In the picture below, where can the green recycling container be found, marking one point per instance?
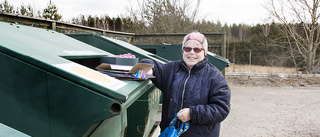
(174, 52)
(167, 51)
(49, 87)
(142, 113)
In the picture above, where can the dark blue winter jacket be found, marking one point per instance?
(203, 89)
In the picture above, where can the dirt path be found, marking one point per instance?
(261, 111)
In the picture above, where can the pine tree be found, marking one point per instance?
(26, 10)
(51, 12)
(6, 7)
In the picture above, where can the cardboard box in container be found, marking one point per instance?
(124, 71)
(119, 61)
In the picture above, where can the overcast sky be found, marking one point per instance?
(249, 12)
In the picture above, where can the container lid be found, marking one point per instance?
(51, 51)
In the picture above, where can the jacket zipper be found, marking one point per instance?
(184, 89)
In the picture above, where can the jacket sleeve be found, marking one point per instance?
(159, 71)
(218, 106)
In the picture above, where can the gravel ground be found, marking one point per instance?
(273, 107)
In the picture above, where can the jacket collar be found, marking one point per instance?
(197, 66)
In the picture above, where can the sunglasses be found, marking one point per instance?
(196, 50)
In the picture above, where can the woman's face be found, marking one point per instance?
(191, 58)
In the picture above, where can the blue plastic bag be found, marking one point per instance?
(170, 131)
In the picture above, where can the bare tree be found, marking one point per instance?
(299, 20)
(104, 22)
(166, 16)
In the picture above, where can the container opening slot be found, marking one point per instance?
(88, 62)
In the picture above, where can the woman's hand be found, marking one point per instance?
(184, 115)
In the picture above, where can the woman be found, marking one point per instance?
(193, 88)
